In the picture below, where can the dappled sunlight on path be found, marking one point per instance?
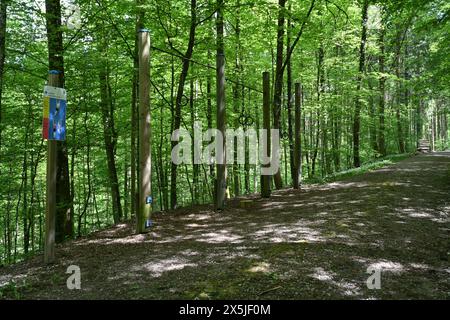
(312, 243)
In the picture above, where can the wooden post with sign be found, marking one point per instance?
(145, 164)
(266, 179)
(50, 212)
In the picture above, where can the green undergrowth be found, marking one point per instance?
(366, 167)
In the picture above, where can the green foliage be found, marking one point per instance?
(368, 166)
(13, 290)
(105, 36)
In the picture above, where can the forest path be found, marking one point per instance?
(316, 243)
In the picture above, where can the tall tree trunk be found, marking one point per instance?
(278, 90)
(406, 95)
(292, 155)
(321, 116)
(180, 92)
(209, 110)
(372, 116)
(398, 100)
(236, 102)
(3, 8)
(195, 167)
(64, 204)
(419, 121)
(34, 171)
(106, 105)
(7, 214)
(247, 152)
(88, 166)
(316, 141)
(382, 94)
(336, 142)
(297, 153)
(25, 217)
(164, 187)
(125, 189)
(221, 181)
(134, 127)
(73, 154)
(266, 179)
(358, 102)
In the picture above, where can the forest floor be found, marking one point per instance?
(316, 243)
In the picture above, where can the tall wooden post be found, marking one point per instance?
(221, 184)
(50, 212)
(265, 179)
(297, 129)
(145, 164)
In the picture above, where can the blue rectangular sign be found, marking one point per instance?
(57, 119)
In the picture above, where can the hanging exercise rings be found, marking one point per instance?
(283, 134)
(245, 120)
(184, 100)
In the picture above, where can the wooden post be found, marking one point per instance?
(265, 179)
(145, 175)
(221, 184)
(297, 150)
(50, 212)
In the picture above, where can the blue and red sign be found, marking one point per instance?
(54, 120)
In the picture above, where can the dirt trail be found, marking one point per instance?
(316, 243)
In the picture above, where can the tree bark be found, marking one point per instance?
(107, 109)
(88, 166)
(180, 92)
(221, 168)
(292, 154)
(236, 102)
(278, 90)
(382, 98)
(358, 102)
(209, 109)
(134, 127)
(3, 17)
(372, 115)
(398, 102)
(266, 179)
(195, 167)
(297, 148)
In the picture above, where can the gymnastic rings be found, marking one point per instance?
(283, 134)
(184, 100)
(245, 120)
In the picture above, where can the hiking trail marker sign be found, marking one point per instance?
(54, 120)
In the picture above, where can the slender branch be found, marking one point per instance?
(81, 28)
(130, 50)
(207, 17)
(291, 49)
(166, 31)
(339, 8)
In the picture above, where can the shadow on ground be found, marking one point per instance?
(316, 243)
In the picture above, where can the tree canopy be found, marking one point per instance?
(373, 75)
